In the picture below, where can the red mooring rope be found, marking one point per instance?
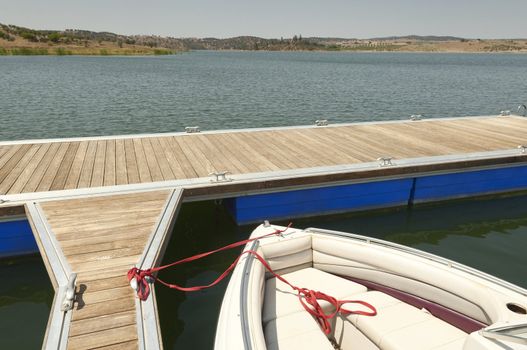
(308, 298)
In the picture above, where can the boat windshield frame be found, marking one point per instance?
(506, 333)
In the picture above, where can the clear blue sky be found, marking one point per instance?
(274, 18)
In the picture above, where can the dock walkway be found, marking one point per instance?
(55, 165)
(101, 205)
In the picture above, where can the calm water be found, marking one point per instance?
(490, 235)
(44, 97)
(26, 295)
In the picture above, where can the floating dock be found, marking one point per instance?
(97, 206)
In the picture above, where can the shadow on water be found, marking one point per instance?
(26, 295)
(490, 235)
(188, 320)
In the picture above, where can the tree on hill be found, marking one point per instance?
(54, 37)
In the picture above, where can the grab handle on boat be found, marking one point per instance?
(69, 298)
(524, 107)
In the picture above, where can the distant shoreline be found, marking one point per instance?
(22, 41)
(37, 51)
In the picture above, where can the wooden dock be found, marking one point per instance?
(101, 205)
(55, 165)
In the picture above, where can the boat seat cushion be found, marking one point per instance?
(281, 300)
(295, 331)
(400, 326)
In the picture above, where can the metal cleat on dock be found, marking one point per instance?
(321, 122)
(385, 161)
(69, 298)
(505, 113)
(220, 176)
(415, 117)
(522, 148)
(192, 129)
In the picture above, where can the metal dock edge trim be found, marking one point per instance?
(148, 329)
(56, 336)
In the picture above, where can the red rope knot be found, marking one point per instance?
(140, 281)
(309, 300)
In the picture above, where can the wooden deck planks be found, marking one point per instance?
(19, 170)
(87, 166)
(59, 182)
(72, 180)
(109, 164)
(132, 170)
(97, 178)
(177, 161)
(93, 163)
(151, 160)
(142, 164)
(121, 175)
(101, 238)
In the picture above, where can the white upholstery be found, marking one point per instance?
(399, 326)
(281, 300)
(349, 337)
(289, 253)
(295, 331)
(421, 277)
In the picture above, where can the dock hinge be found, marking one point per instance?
(385, 161)
(69, 298)
(321, 122)
(220, 176)
(192, 129)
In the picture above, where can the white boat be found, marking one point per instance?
(421, 301)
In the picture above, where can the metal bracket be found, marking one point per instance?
(524, 107)
(414, 117)
(321, 122)
(192, 129)
(266, 223)
(522, 148)
(220, 176)
(385, 161)
(505, 113)
(69, 298)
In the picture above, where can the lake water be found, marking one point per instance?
(43, 97)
